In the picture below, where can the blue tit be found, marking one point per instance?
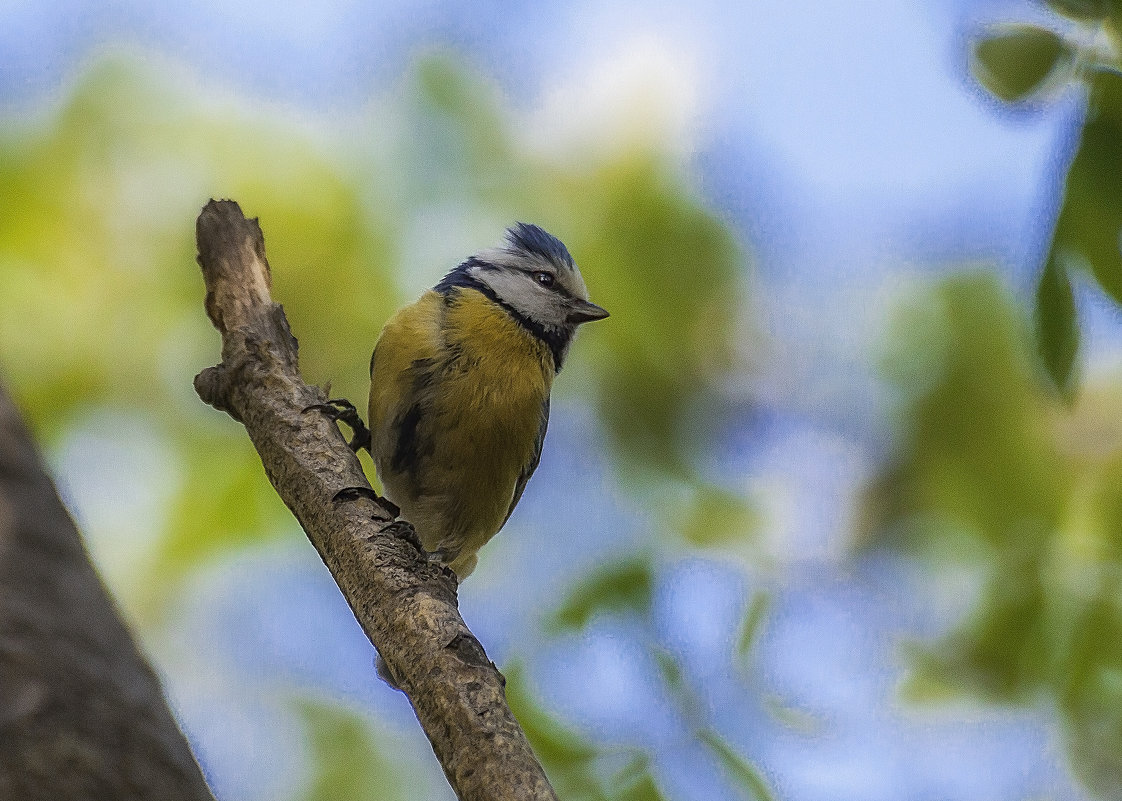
(459, 389)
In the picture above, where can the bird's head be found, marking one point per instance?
(534, 278)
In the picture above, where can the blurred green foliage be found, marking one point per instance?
(642, 788)
(1085, 10)
(582, 771)
(717, 517)
(101, 306)
(569, 759)
(1016, 61)
(626, 585)
(753, 623)
(1001, 481)
(995, 471)
(348, 762)
(743, 773)
(100, 302)
(1019, 61)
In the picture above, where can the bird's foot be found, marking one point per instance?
(445, 557)
(405, 531)
(342, 410)
(349, 494)
(442, 556)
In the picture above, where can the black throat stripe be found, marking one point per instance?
(557, 340)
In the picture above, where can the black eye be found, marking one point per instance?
(545, 279)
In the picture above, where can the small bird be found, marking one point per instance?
(459, 389)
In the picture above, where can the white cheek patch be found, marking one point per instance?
(521, 293)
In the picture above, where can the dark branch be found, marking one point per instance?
(405, 604)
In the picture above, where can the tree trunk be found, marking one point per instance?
(82, 715)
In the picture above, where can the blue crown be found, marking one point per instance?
(533, 240)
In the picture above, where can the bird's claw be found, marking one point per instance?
(444, 557)
(440, 556)
(405, 531)
(348, 494)
(342, 410)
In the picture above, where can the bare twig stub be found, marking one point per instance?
(405, 604)
(81, 713)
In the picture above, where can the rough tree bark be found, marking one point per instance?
(81, 713)
(405, 604)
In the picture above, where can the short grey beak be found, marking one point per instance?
(585, 312)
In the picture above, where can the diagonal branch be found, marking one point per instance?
(406, 605)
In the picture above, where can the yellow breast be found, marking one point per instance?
(504, 367)
(478, 381)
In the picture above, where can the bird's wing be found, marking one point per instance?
(406, 349)
(528, 470)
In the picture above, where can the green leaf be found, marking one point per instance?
(754, 617)
(644, 789)
(347, 764)
(556, 746)
(1057, 324)
(719, 517)
(796, 719)
(1080, 9)
(568, 759)
(1091, 216)
(746, 775)
(633, 771)
(670, 669)
(679, 341)
(1091, 694)
(1014, 61)
(622, 586)
(978, 468)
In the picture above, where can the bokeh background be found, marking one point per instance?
(830, 507)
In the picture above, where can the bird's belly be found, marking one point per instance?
(481, 431)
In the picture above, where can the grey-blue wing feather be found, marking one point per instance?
(528, 470)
